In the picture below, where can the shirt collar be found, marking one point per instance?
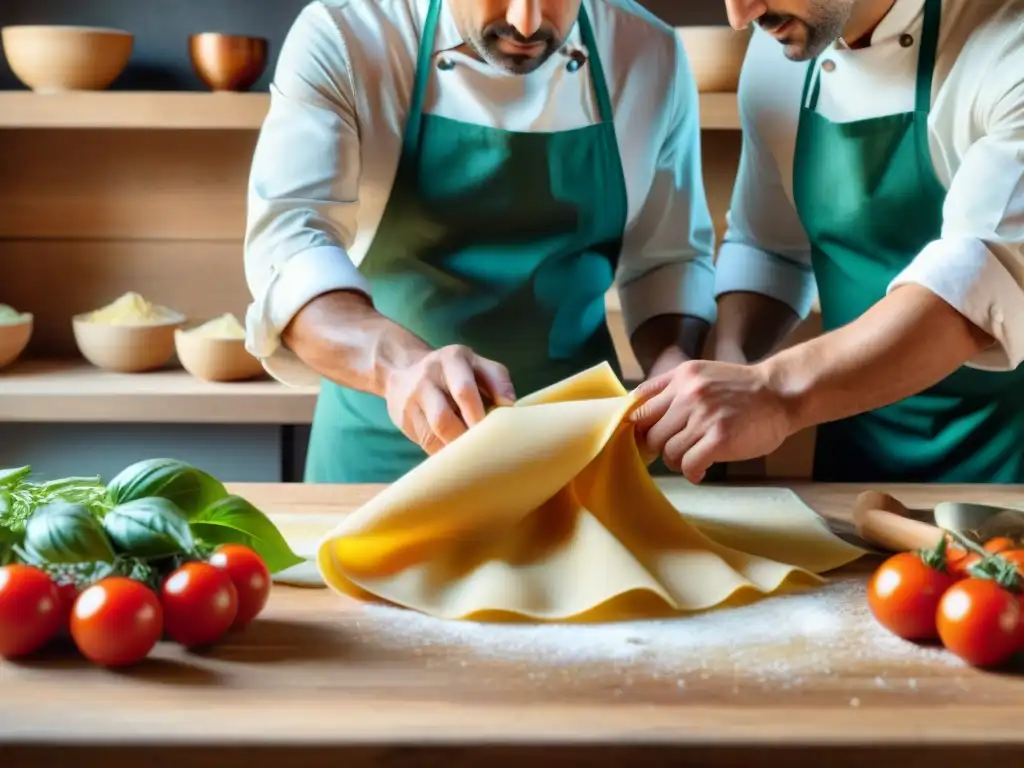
(899, 18)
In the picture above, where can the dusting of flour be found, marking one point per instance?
(825, 631)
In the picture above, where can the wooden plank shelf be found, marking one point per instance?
(165, 110)
(74, 391)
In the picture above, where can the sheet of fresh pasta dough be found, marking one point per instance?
(546, 512)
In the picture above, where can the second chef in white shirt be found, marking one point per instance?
(883, 169)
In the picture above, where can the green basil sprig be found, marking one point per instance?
(63, 532)
(148, 527)
(192, 490)
(234, 520)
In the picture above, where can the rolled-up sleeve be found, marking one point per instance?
(667, 261)
(765, 249)
(303, 191)
(977, 263)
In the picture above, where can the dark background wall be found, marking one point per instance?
(160, 60)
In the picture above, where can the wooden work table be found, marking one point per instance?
(309, 684)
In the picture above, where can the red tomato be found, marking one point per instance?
(200, 604)
(1015, 556)
(68, 594)
(30, 613)
(999, 544)
(250, 576)
(958, 560)
(903, 595)
(116, 621)
(978, 621)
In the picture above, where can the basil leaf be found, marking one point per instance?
(235, 520)
(62, 532)
(191, 489)
(8, 539)
(152, 527)
(12, 476)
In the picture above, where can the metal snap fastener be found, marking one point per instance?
(906, 40)
(576, 60)
(445, 64)
(828, 65)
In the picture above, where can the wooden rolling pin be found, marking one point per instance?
(883, 521)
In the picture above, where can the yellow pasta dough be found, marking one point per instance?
(545, 511)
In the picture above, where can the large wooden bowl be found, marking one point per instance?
(228, 62)
(716, 55)
(14, 337)
(51, 59)
(126, 348)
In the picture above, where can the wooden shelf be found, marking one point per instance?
(719, 111)
(156, 110)
(133, 109)
(75, 391)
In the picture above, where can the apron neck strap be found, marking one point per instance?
(926, 57)
(411, 136)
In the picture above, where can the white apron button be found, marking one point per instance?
(906, 40)
(576, 60)
(828, 65)
(445, 64)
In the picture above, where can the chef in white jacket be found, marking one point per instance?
(883, 170)
(442, 194)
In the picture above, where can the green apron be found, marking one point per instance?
(868, 196)
(505, 242)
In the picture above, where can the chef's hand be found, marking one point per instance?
(438, 397)
(705, 412)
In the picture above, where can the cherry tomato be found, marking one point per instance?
(250, 576)
(999, 544)
(116, 621)
(958, 561)
(68, 594)
(1016, 557)
(978, 621)
(200, 604)
(30, 613)
(903, 595)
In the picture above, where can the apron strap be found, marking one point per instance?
(927, 54)
(604, 101)
(411, 137)
(925, 63)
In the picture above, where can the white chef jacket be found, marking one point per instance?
(330, 144)
(976, 135)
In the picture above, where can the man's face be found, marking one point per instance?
(804, 27)
(516, 36)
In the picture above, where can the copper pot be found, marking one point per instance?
(228, 62)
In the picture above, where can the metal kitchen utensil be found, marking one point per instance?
(885, 522)
(979, 522)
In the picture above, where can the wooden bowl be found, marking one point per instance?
(126, 348)
(52, 59)
(14, 337)
(215, 359)
(716, 55)
(228, 62)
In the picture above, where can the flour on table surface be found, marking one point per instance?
(824, 631)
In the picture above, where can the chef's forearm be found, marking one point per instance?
(343, 338)
(750, 325)
(905, 343)
(668, 336)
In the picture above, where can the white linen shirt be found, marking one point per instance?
(329, 147)
(976, 136)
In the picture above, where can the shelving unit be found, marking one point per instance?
(158, 110)
(75, 391)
